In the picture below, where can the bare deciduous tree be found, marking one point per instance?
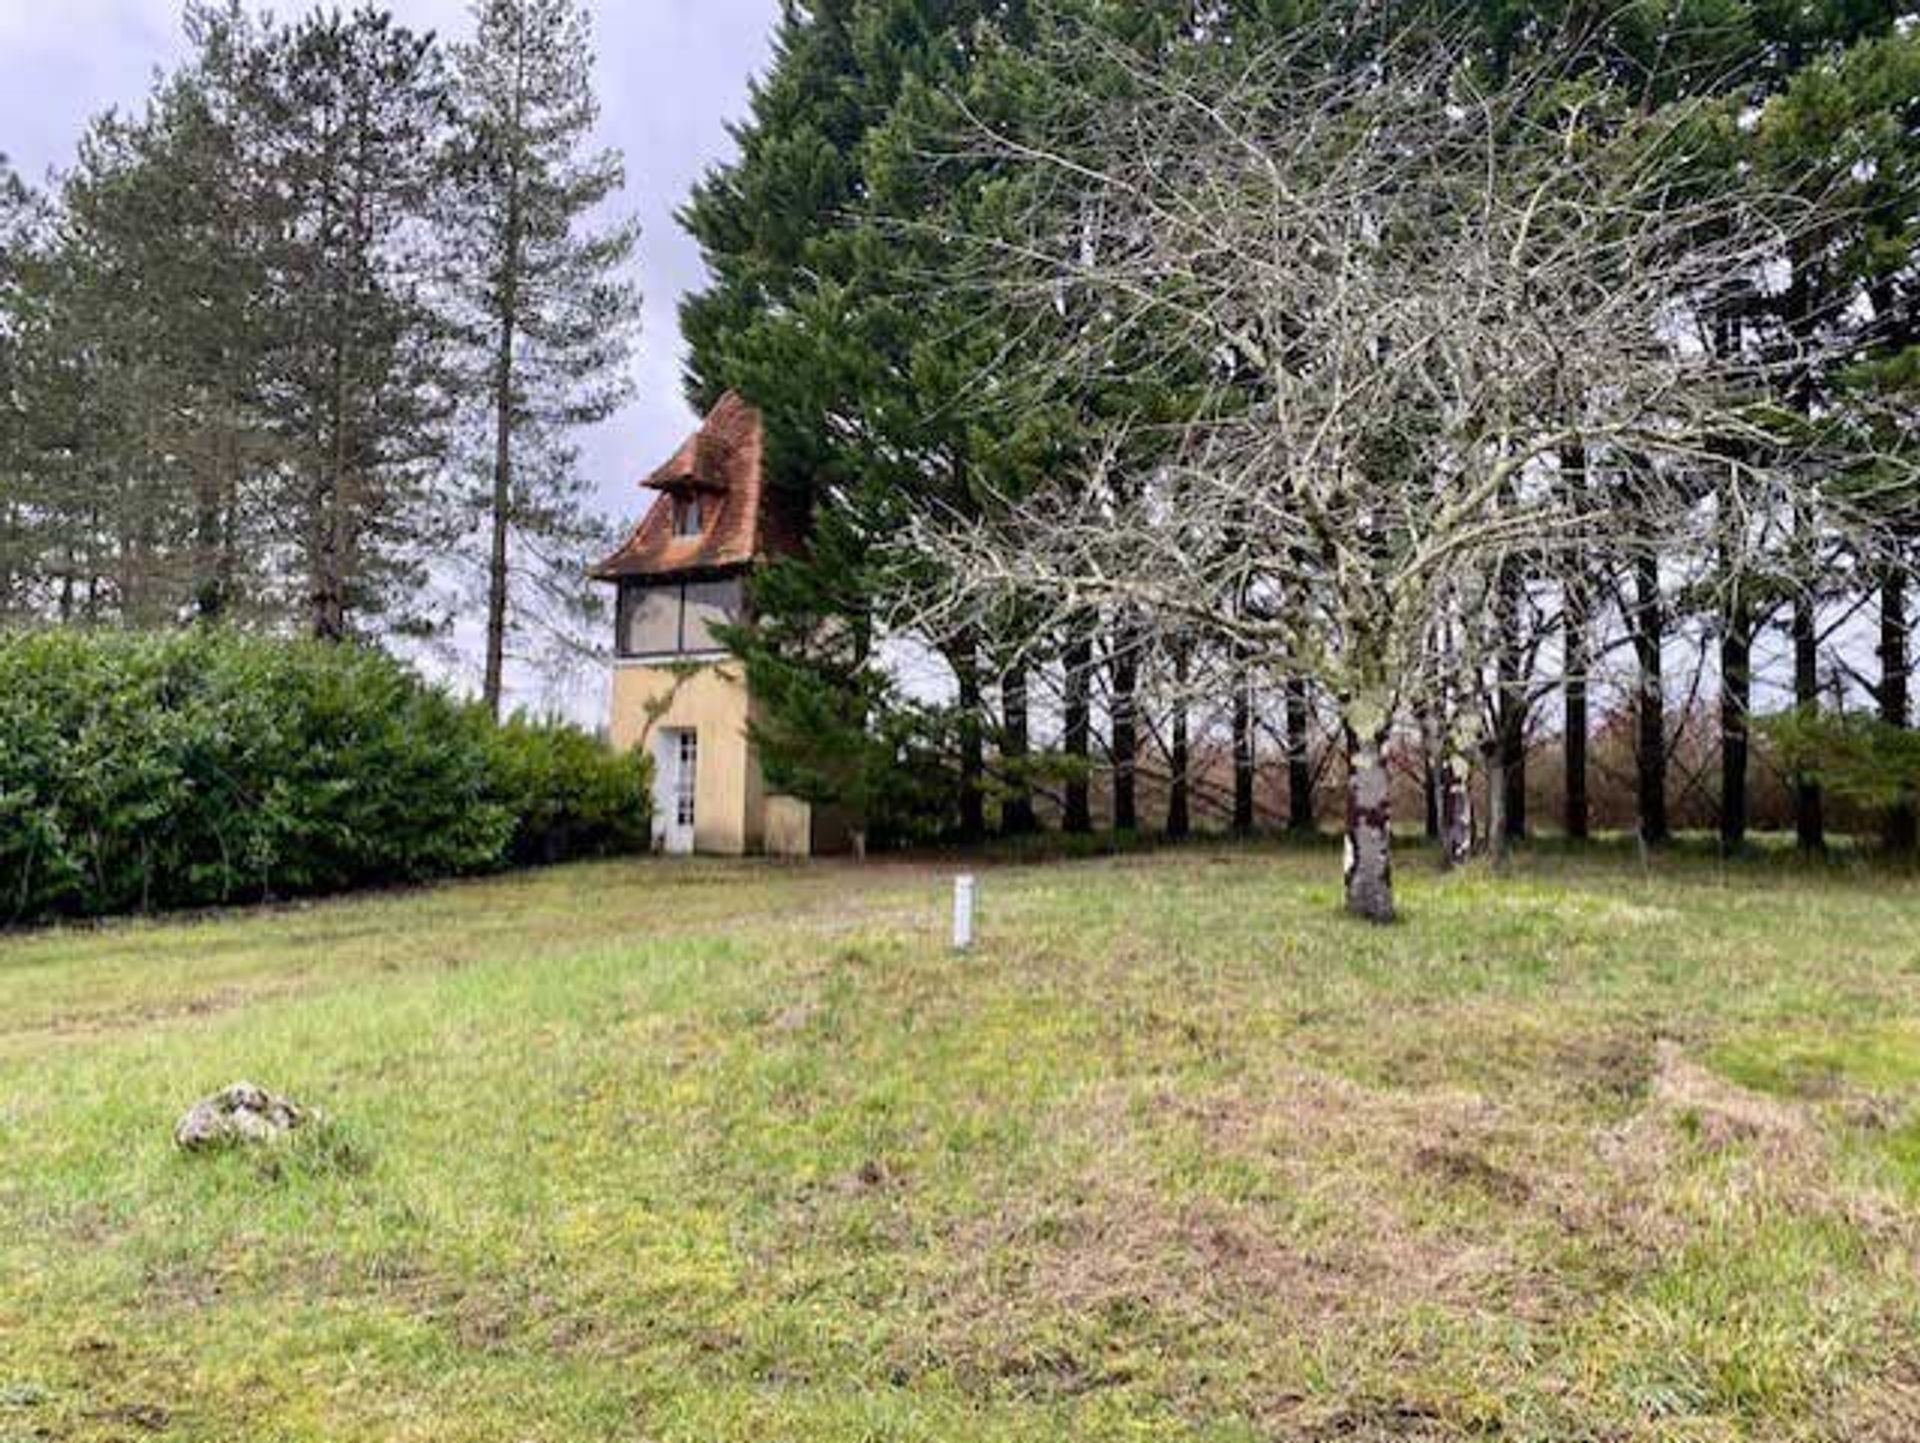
(1381, 300)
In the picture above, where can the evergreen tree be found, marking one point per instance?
(820, 314)
(355, 117)
(545, 304)
(17, 562)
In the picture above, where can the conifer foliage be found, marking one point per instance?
(544, 298)
(279, 338)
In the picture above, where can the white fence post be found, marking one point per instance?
(962, 912)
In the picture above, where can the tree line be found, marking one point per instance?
(1040, 411)
(303, 341)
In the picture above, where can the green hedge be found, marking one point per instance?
(140, 772)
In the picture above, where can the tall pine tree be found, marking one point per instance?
(355, 114)
(544, 301)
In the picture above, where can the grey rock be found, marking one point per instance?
(240, 1114)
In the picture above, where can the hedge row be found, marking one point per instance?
(141, 772)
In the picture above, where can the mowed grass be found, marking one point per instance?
(714, 1152)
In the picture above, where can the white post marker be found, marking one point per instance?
(963, 912)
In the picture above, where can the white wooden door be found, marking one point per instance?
(683, 762)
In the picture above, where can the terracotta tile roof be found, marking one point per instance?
(742, 519)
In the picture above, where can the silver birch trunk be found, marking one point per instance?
(1369, 869)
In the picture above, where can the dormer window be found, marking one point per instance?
(686, 516)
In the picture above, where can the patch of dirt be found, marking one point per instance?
(1107, 1279)
(795, 1017)
(1463, 1168)
(1720, 1113)
(489, 1318)
(1887, 1410)
(143, 1417)
(1054, 1297)
(1613, 1068)
(1367, 1419)
(181, 1283)
(871, 1176)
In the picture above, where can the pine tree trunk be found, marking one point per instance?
(212, 566)
(1499, 833)
(328, 600)
(1899, 832)
(1511, 816)
(499, 521)
(1649, 636)
(1574, 742)
(1577, 661)
(1300, 817)
(1369, 859)
(1243, 755)
(1077, 728)
(1179, 819)
(1514, 785)
(1124, 733)
(501, 509)
(1016, 813)
(966, 669)
(1736, 704)
(1809, 807)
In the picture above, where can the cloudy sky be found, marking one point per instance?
(672, 74)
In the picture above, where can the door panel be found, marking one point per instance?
(683, 756)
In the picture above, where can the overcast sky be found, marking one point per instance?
(672, 73)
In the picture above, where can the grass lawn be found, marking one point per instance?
(714, 1152)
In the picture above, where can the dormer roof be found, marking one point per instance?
(742, 519)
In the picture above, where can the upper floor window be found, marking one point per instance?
(676, 618)
(686, 516)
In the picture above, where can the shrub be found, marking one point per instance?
(1851, 754)
(141, 772)
(568, 794)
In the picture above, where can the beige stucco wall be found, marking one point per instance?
(789, 827)
(711, 697)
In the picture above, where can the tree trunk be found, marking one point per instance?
(1300, 816)
(1016, 813)
(1455, 799)
(1179, 819)
(1649, 635)
(1243, 755)
(211, 563)
(1430, 784)
(1511, 741)
(501, 517)
(1577, 661)
(1736, 703)
(966, 669)
(1369, 860)
(1809, 808)
(1575, 727)
(1124, 731)
(1499, 831)
(499, 520)
(1899, 832)
(1514, 779)
(1077, 728)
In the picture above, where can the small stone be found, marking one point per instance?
(242, 1113)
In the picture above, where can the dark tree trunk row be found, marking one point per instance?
(1078, 728)
(1300, 817)
(1124, 728)
(1901, 831)
(1016, 813)
(1809, 810)
(1577, 625)
(1649, 641)
(1736, 703)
